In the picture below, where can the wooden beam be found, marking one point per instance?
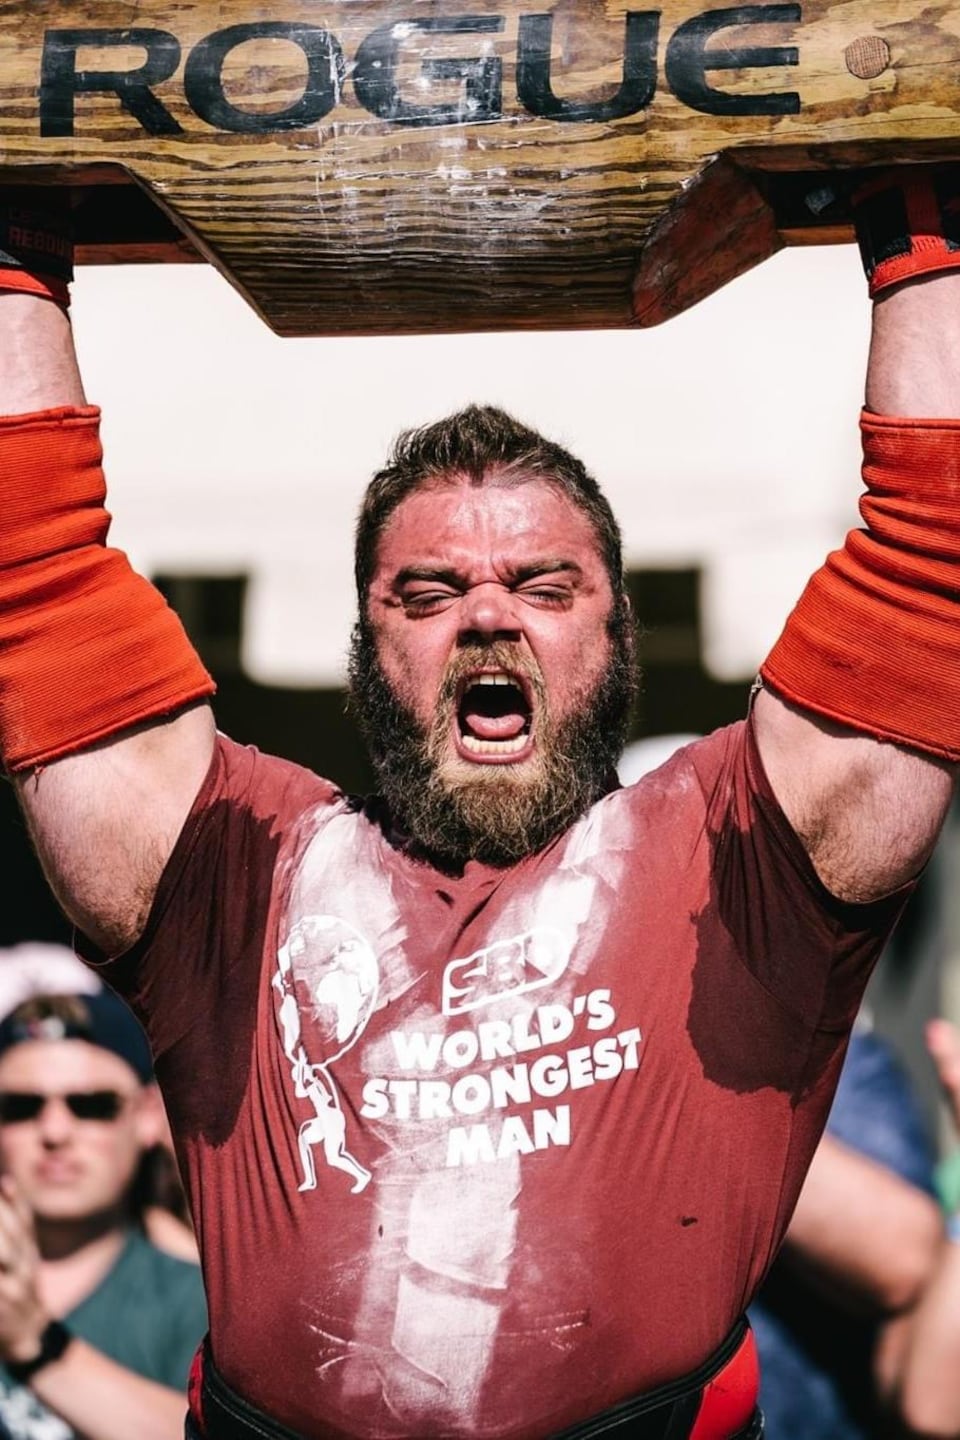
(367, 166)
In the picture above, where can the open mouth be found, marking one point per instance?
(494, 717)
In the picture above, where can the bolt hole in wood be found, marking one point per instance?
(867, 56)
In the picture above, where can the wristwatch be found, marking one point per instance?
(54, 1340)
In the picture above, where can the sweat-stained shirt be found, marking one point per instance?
(481, 1155)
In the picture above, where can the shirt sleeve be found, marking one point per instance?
(811, 950)
(201, 950)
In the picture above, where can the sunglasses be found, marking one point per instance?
(18, 1106)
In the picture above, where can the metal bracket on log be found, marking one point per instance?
(397, 166)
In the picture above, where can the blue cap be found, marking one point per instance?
(102, 1019)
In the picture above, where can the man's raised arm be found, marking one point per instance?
(859, 720)
(102, 722)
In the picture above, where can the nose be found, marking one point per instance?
(489, 612)
(55, 1122)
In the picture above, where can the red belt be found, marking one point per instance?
(717, 1401)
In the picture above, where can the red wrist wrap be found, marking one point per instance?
(36, 247)
(908, 223)
(88, 648)
(874, 641)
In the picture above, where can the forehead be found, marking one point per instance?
(455, 521)
(53, 1066)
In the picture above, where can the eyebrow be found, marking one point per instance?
(518, 574)
(546, 567)
(428, 572)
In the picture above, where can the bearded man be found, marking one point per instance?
(493, 1094)
(462, 765)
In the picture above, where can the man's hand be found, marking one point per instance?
(23, 1317)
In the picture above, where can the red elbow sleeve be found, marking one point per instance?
(88, 648)
(874, 641)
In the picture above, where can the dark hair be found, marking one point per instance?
(477, 442)
(157, 1185)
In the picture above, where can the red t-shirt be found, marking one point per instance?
(483, 1155)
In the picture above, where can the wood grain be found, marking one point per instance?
(365, 167)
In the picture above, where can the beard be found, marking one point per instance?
(456, 811)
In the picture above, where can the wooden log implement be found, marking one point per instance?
(390, 166)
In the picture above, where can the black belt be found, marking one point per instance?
(667, 1413)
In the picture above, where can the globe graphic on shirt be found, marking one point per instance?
(335, 980)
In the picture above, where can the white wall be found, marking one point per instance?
(725, 438)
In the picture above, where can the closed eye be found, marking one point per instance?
(427, 601)
(556, 596)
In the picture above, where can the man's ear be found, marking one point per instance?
(151, 1117)
(625, 617)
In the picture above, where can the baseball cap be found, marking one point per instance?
(102, 1019)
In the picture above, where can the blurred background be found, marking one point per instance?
(726, 440)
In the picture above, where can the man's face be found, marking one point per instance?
(490, 688)
(72, 1169)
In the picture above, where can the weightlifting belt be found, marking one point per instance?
(717, 1401)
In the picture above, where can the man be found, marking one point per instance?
(493, 1095)
(97, 1326)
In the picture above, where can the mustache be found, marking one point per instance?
(502, 655)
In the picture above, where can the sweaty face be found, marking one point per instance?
(72, 1169)
(493, 672)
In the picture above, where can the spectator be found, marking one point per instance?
(923, 1373)
(863, 1243)
(97, 1326)
(38, 968)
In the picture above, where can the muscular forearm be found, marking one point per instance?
(105, 1401)
(914, 365)
(38, 367)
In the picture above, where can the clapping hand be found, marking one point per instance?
(22, 1314)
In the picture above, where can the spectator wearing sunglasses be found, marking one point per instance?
(35, 968)
(97, 1325)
